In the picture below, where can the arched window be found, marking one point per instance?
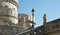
(57, 26)
(0, 5)
(7, 10)
(11, 11)
(14, 11)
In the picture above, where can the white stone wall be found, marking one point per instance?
(8, 10)
(16, 1)
(24, 18)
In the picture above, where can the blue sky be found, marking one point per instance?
(50, 7)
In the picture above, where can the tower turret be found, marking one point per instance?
(44, 22)
(44, 19)
(8, 11)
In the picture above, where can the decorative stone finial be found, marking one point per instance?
(44, 18)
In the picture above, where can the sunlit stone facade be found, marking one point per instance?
(12, 23)
(9, 17)
(8, 11)
(25, 20)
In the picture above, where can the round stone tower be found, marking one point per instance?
(8, 11)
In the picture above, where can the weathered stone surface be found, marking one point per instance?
(8, 10)
(10, 30)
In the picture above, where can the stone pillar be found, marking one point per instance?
(8, 11)
(44, 22)
(44, 19)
